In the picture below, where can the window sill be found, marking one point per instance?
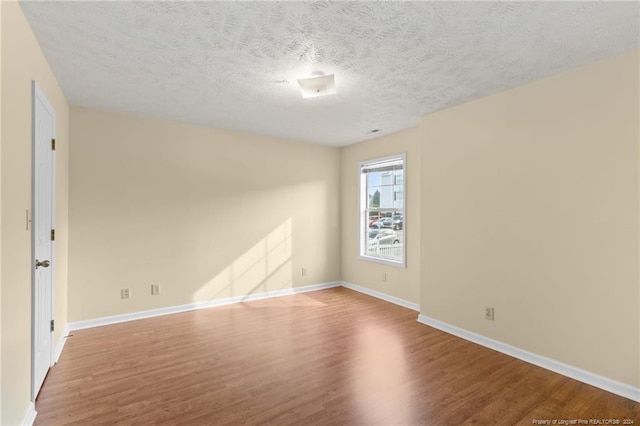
(397, 264)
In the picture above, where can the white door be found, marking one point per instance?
(44, 120)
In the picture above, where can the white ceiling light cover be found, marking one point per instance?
(317, 86)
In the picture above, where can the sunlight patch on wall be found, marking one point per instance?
(266, 266)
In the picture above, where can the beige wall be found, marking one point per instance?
(403, 283)
(530, 205)
(206, 213)
(1, 7)
(22, 62)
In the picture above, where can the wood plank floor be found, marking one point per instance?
(329, 357)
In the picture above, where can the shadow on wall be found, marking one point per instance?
(265, 267)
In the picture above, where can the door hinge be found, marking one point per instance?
(53, 235)
(53, 144)
(52, 325)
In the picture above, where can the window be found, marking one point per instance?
(382, 205)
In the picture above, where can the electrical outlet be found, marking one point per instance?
(155, 289)
(384, 277)
(125, 293)
(304, 272)
(488, 313)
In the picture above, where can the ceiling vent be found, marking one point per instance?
(317, 86)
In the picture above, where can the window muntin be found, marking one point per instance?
(382, 210)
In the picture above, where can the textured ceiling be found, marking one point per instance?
(234, 65)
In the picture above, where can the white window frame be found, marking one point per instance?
(363, 222)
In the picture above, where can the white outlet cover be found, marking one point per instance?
(489, 313)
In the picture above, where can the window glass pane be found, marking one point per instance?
(399, 177)
(383, 230)
(387, 197)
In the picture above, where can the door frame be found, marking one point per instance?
(38, 95)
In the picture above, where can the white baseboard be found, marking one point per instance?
(624, 390)
(383, 296)
(98, 322)
(30, 416)
(60, 344)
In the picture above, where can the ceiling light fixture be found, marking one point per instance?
(317, 86)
